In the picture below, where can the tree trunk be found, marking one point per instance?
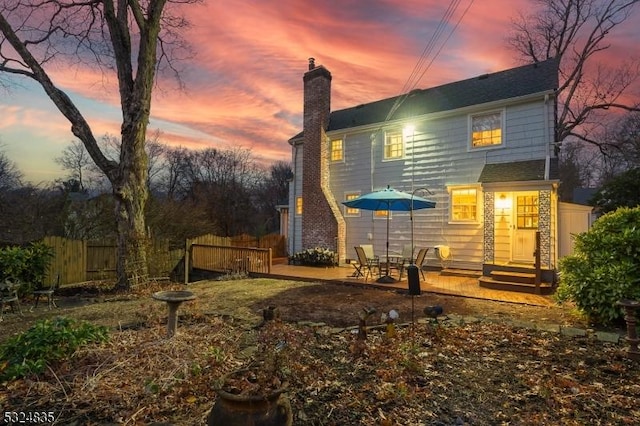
(131, 193)
(131, 262)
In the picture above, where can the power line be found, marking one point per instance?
(415, 76)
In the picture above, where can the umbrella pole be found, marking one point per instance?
(387, 279)
(388, 214)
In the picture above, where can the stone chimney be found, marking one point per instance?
(321, 215)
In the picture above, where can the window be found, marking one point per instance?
(464, 204)
(486, 130)
(298, 205)
(350, 211)
(337, 151)
(393, 145)
(527, 212)
(380, 214)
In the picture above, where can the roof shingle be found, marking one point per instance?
(512, 83)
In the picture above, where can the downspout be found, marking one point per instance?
(547, 136)
(293, 202)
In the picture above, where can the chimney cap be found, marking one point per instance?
(312, 63)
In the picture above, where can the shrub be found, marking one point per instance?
(605, 266)
(46, 341)
(26, 264)
(315, 257)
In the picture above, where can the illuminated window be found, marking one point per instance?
(486, 130)
(464, 204)
(350, 211)
(380, 214)
(298, 205)
(527, 212)
(393, 145)
(337, 151)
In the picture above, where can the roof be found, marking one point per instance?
(540, 77)
(518, 171)
(584, 195)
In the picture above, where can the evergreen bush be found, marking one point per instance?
(605, 266)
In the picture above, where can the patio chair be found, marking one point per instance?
(366, 266)
(405, 259)
(368, 251)
(420, 259)
(9, 294)
(47, 291)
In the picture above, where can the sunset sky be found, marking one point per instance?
(244, 86)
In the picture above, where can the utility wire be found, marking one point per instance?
(416, 74)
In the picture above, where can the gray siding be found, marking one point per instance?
(441, 158)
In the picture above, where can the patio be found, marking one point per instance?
(435, 282)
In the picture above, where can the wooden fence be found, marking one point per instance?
(79, 261)
(277, 243)
(229, 259)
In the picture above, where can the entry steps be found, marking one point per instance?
(523, 282)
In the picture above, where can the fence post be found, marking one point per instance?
(270, 260)
(187, 260)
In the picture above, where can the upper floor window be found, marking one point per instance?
(298, 205)
(350, 211)
(393, 145)
(486, 129)
(464, 205)
(337, 150)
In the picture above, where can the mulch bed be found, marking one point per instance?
(477, 374)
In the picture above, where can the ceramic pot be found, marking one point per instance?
(273, 409)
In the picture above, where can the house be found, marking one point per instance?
(481, 148)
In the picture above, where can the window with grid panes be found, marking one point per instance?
(350, 211)
(337, 150)
(527, 212)
(393, 145)
(486, 129)
(464, 204)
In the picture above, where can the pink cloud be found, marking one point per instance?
(244, 87)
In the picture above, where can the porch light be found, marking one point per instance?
(503, 202)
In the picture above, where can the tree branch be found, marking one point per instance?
(79, 126)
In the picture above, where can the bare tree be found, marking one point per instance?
(273, 191)
(10, 176)
(132, 38)
(578, 167)
(575, 32)
(76, 161)
(175, 170)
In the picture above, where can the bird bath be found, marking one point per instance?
(174, 299)
(630, 309)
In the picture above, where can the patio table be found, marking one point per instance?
(388, 263)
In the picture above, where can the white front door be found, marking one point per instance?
(525, 225)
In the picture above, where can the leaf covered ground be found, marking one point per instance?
(482, 373)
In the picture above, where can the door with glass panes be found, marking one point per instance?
(525, 225)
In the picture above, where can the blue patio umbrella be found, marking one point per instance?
(391, 200)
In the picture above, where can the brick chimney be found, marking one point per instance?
(321, 217)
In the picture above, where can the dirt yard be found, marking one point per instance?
(484, 372)
(333, 304)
